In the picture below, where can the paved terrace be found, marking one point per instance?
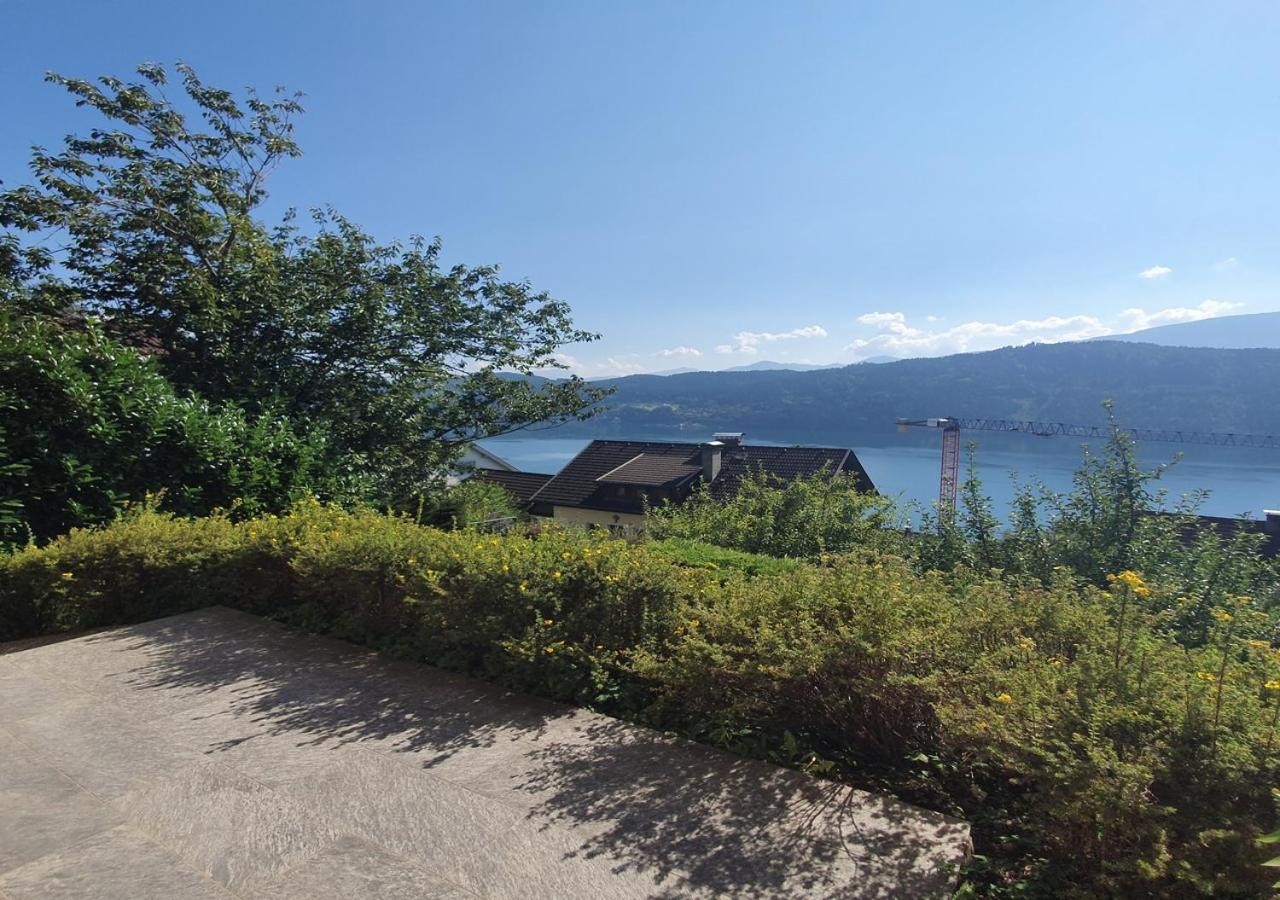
(218, 755)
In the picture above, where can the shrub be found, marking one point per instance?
(1093, 753)
(803, 517)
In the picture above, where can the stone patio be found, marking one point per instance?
(216, 754)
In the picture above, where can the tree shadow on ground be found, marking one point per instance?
(698, 821)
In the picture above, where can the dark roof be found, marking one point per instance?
(585, 480)
(520, 485)
(653, 469)
(1228, 528)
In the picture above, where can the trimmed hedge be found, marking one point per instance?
(1093, 754)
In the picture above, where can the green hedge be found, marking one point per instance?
(1093, 755)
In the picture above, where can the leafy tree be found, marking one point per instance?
(397, 359)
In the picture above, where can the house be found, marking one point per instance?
(477, 459)
(1267, 529)
(609, 482)
(521, 486)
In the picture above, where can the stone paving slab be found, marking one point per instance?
(216, 754)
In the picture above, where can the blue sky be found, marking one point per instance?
(710, 184)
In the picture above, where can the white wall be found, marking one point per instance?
(576, 516)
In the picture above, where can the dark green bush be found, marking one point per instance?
(89, 425)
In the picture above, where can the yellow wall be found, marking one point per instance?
(577, 516)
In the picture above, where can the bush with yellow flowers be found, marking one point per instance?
(1094, 752)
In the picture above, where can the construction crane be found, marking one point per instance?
(951, 427)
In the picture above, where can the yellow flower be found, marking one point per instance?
(1027, 644)
(1142, 591)
(524, 586)
(1272, 685)
(67, 576)
(694, 623)
(1206, 676)
(1260, 645)
(550, 649)
(1223, 615)
(1242, 601)
(505, 568)
(412, 561)
(1129, 578)
(555, 574)
(1005, 699)
(566, 555)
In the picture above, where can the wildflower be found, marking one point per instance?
(1260, 645)
(984, 725)
(1207, 676)
(67, 576)
(1027, 644)
(524, 586)
(1242, 601)
(505, 568)
(550, 649)
(412, 561)
(1223, 615)
(1142, 591)
(566, 555)
(555, 574)
(694, 623)
(1005, 699)
(1272, 685)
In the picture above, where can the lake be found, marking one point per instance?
(906, 466)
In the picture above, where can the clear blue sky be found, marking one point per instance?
(816, 182)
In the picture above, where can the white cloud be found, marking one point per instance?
(679, 353)
(1223, 265)
(1155, 272)
(1138, 319)
(897, 337)
(610, 367)
(749, 342)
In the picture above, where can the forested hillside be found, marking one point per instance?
(1193, 388)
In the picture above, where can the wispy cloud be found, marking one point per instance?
(679, 353)
(1223, 265)
(1154, 272)
(609, 367)
(749, 342)
(1137, 319)
(897, 337)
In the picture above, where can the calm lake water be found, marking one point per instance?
(1238, 481)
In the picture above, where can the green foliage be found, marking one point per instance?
(1102, 526)
(1093, 752)
(469, 504)
(395, 358)
(700, 555)
(804, 517)
(90, 425)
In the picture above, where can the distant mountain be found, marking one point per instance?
(681, 371)
(765, 365)
(1224, 332)
(1174, 387)
(880, 359)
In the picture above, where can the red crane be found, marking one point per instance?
(949, 481)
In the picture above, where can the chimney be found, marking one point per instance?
(1272, 518)
(711, 460)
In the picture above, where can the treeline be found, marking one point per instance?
(1175, 387)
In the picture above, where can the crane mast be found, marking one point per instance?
(951, 426)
